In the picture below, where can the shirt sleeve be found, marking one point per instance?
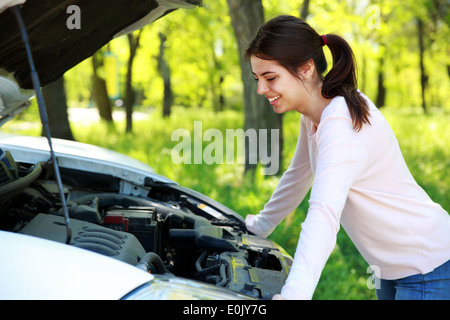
(290, 191)
(340, 161)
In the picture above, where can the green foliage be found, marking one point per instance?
(202, 52)
(425, 143)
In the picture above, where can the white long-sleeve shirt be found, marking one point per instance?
(360, 181)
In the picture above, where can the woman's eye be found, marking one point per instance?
(271, 79)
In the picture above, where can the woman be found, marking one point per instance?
(349, 154)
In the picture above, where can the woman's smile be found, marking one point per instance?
(274, 99)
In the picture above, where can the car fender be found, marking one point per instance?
(33, 268)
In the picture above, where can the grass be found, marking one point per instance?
(424, 140)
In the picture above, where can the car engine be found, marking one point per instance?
(167, 231)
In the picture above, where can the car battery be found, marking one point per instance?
(139, 221)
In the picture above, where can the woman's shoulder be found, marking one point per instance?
(337, 108)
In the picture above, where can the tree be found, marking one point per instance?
(99, 92)
(304, 11)
(423, 74)
(381, 88)
(246, 17)
(164, 70)
(54, 95)
(430, 18)
(133, 42)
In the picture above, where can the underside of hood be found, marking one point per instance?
(56, 45)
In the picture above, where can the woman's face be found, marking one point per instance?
(284, 91)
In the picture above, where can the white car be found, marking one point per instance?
(97, 224)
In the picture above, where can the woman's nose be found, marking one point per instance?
(262, 87)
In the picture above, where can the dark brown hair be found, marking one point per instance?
(292, 42)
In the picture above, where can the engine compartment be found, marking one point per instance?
(166, 231)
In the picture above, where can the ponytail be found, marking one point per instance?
(341, 80)
(292, 42)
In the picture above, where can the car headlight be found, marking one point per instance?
(171, 288)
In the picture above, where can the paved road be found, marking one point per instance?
(91, 115)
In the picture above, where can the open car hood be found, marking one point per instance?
(57, 46)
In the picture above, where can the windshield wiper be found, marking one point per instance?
(43, 115)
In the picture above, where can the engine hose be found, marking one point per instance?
(223, 275)
(106, 200)
(198, 263)
(221, 280)
(152, 259)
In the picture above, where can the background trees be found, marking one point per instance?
(246, 17)
(192, 58)
(401, 46)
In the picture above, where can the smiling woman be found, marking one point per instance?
(298, 49)
(354, 167)
(287, 92)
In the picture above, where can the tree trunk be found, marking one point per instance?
(304, 11)
(246, 17)
(54, 95)
(363, 73)
(216, 80)
(100, 93)
(423, 75)
(381, 95)
(129, 92)
(164, 70)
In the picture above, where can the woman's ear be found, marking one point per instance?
(306, 70)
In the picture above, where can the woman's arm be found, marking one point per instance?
(340, 162)
(290, 191)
